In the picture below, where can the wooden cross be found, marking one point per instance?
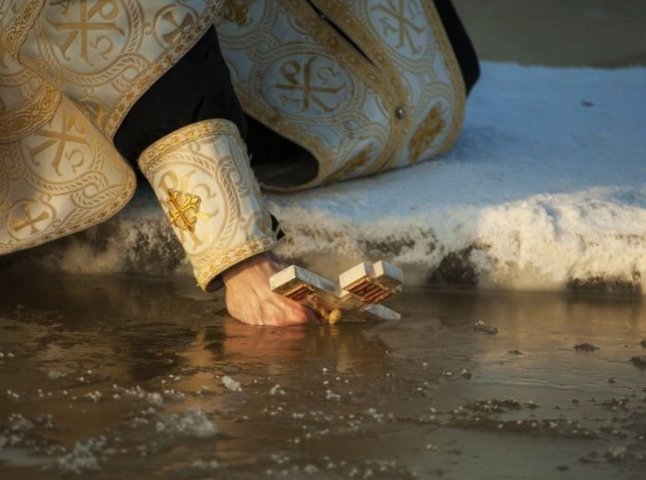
(357, 295)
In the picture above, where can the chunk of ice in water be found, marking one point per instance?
(276, 390)
(231, 384)
(192, 423)
(81, 457)
(617, 452)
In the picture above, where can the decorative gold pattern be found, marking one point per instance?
(236, 12)
(182, 43)
(359, 107)
(105, 54)
(307, 56)
(66, 68)
(62, 178)
(427, 132)
(188, 134)
(402, 25)
(209, 158)
(69, 67)
(183, 209)
(358, 162)
(15, 124)
(453, 67)
(14, 34)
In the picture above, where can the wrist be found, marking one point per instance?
(260, 259)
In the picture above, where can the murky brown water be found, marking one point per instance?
(123, 378)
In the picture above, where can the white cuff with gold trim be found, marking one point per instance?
(201, 176)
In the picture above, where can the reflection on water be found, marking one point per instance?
(123, 377)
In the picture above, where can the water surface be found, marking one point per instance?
(134, 377)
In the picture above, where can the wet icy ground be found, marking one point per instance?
(132, 377)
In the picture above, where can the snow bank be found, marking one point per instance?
(546, 189)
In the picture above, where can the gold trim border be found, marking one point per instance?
(389, 84)
(15, 35)
(391, 92)
(457, 79)
(179, 138)
(160, 66)
(29, 117)
(120, 200)
(393, 96)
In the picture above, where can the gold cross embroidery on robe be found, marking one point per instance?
(237, 12)
(183, 209)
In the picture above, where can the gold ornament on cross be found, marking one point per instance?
(357, 295)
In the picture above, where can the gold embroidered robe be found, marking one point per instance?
(363, 85)
(384, 94)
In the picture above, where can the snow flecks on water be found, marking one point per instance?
(282, 465)
(20, 424)
(11, 394)
(139, 393)
(486, 415)
(231, 384)
(94, 396)
(55, 375)
(617, 452)
(205, 465)
(330, 395)
(276, 390)
(192, 423)
(82, 457)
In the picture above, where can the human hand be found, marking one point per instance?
(250, 299)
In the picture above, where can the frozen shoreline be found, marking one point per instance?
(546, 189)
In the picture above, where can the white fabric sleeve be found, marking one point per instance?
(202, 178)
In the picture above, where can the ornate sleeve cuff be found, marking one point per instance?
(201, 176)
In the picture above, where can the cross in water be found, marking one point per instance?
(357, 295)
